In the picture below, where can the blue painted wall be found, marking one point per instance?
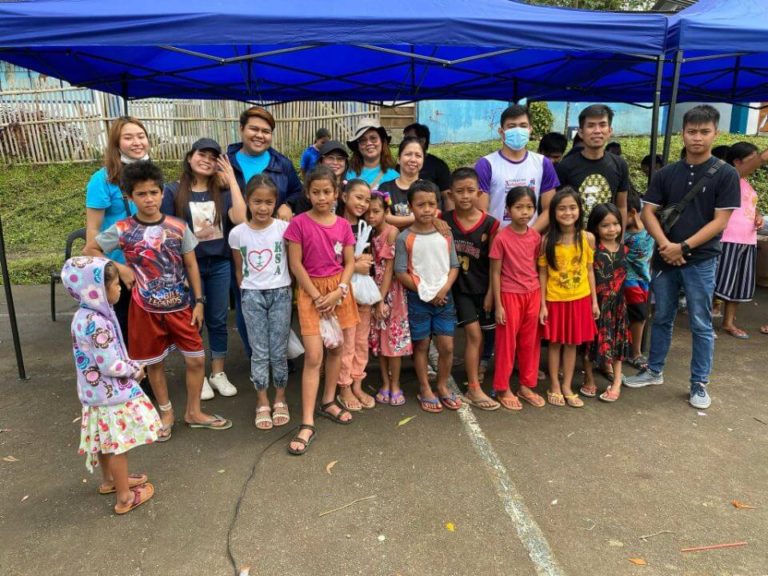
(475, 121)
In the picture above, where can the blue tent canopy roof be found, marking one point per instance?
(343, 49)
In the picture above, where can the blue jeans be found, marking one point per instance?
(214, 277)
(239, 320)
(267, 315)
(427, 319)
(698, 282)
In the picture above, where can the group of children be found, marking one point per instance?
(573, 287)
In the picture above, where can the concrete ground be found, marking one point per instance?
(554, 491)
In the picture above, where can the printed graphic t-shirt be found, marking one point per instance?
(472, 248)
(265, 264)
(155, 253)
(596, 181)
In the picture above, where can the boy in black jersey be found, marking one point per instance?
(473, 230)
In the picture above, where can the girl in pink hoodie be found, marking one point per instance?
(117, 416)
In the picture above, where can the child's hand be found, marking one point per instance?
(595, 310)
(543, 314)
(759, 221)
(140, 373)
(501, 316)
(442, 227)
(285, 213)
(127, 276)
(381, 310)
(326, 304)
(488, 301)
(197, 316)
(441, 298)
(363, 264)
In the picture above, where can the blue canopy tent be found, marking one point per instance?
(335, 50)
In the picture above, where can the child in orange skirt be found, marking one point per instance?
(321, 258)
(569, 308)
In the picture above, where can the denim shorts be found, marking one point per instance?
(427, 319)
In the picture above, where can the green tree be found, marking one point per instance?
(541, 118)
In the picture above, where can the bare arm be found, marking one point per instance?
(401, 222)
(542, 222)
(237, 212)
(193, 276)
(405, 279)
(237, 262)
(295, 255)
(447, 200)
(543, 312)
(495, 288)
(591, 279)
(92, 248)
(483, 201)
(621, 204)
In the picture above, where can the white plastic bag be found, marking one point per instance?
(364, 287)
(331, 332)
(295, 348)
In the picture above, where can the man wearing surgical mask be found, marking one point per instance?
(513, 166)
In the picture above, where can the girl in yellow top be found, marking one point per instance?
(569, 308)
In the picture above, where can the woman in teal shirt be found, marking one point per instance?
(371, 159)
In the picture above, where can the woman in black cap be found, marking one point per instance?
(371, 159)
(207, 196)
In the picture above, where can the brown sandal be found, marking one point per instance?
(133, 481)
(140, 495)
(511, 402)
(534, 400)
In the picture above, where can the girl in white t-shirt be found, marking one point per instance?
(261, 267)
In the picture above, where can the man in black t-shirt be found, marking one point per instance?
(596, 175)
(686, 256)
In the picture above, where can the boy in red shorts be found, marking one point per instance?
(160, 259)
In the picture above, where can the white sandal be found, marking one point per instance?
(263, 416)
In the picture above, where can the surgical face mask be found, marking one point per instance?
(516, 138)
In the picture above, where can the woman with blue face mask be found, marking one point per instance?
(514, 165)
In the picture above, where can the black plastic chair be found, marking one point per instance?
(78, 234)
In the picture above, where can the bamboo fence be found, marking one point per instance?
(51, 122)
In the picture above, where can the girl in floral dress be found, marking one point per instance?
(613, 341)
(116, 416)
(390, 336)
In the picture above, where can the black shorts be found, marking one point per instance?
(469, 308)
(637, 312)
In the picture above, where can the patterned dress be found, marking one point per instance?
(390, 337)
(613, 336)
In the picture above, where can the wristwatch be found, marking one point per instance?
(344, 289)
(201, 300)
(685, 249)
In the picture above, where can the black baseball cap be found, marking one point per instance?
(207, 144)
(333, 146)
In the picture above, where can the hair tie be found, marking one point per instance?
(384, 196)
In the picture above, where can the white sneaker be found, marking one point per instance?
(222, 385)
(207, 392)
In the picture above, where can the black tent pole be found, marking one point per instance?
(10, 306)
(655, 114)
(672, 103)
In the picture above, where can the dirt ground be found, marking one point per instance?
(553, 491)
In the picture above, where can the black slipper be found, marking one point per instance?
(322, 411)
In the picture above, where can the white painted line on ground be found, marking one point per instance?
(528, 530)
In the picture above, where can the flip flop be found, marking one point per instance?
(383, 397)
(133, 481)
(210, 425)
(322, 411)
(555, 398)
(263, 416)
(609, 396)
(431, 405)
(140, 495)
(536, 402)
(451, 402)
(370, 406)
(280, 410)
(588, 391)
(737, 333)
(397, 399)
(511, 403)
(573, 400)
(304, 443)
(488, 405)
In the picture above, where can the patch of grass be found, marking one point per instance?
(41, 205)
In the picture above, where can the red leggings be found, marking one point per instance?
(521, 336)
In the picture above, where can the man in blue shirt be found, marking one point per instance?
(312, 154)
